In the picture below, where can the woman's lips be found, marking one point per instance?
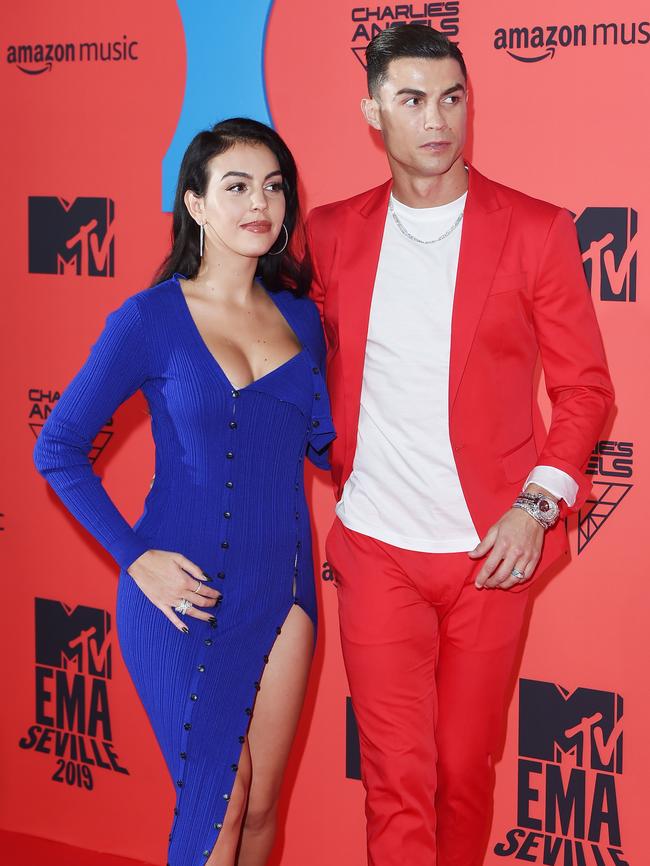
(258, 227)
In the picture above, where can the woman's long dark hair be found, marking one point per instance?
(290, 269)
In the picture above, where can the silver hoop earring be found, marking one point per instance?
(201, 241)
(286, 232)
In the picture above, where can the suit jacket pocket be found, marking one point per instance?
(519, 461)
(508, 283)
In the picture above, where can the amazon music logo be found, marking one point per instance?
(352, 749)
(72, 675)
(41, 403)
(35, 58)
(368, 21)
(74, 237)
(612, 466)
(608, 243)
(541, 41)
(569, 766)
(327, 572)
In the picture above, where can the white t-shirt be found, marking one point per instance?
(404, 487)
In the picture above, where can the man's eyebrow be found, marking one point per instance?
(249, 176)
(412, 91)
(454, 88)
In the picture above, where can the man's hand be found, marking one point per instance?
(514, 542)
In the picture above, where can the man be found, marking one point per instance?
(438, 291)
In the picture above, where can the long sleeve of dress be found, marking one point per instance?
(115, 369)
(322, 432)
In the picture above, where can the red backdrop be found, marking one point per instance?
(558, 110)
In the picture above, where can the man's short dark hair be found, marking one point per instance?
(407, 40)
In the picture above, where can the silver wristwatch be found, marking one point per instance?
(544, 510)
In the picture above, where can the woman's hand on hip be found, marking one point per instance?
(167, 578)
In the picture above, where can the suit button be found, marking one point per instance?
(208, 641)
(194, 697)
(235, 393)
(315, 423)
(227, 515)
(233, 425)
(229, 485)
(187, 726)
(229, 455)
(315, 370)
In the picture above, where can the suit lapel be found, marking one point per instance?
(362, 237)
(485, 226)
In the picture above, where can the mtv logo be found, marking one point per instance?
(582, 728)
(71, 237)
(76, 639)
(607, 237)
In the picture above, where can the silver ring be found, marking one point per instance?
(183, 606)
(518, 575)
(197, 587)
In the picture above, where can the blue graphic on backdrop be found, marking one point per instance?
(225, 73)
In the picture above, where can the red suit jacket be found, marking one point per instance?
(520, 293)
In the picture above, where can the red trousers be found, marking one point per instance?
(429, 660)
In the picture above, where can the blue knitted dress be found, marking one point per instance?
(228, 494)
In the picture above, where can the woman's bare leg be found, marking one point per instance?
(272, 730)
(225, 849)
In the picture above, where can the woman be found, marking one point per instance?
(230, 360)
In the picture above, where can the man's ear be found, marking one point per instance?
(194, 204)
(370, 110)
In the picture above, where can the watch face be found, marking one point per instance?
(548, 509)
